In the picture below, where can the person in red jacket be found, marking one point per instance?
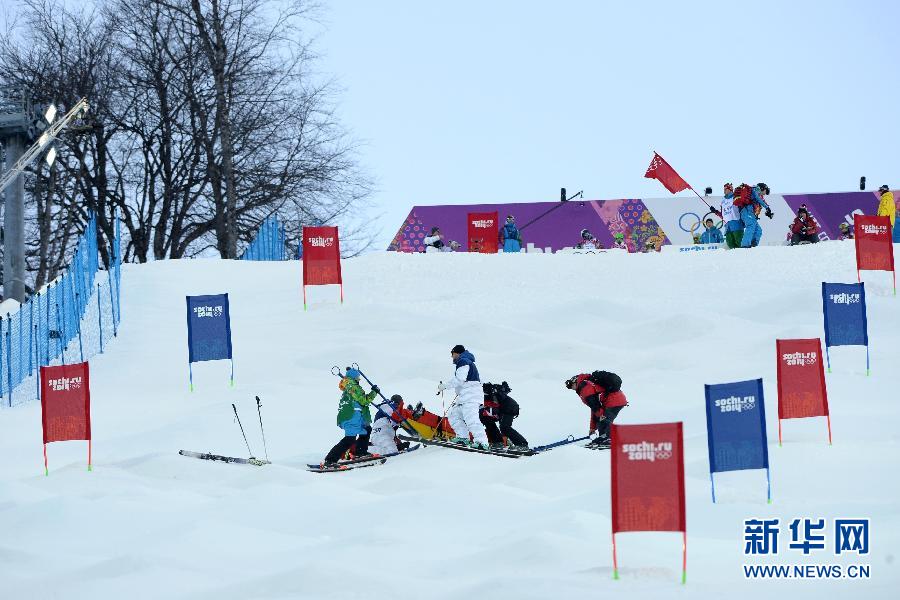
(804, 228)
(601, 392)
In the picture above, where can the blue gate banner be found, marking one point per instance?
(844, 306)
(209, 328)
(736, 427)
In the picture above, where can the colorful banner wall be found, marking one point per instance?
(844, 309)
(650, 221)
(209, 331)
(66, 405)
(736, 429)
(801, 381)
(647, 473)
(483, 231)
(321, 258)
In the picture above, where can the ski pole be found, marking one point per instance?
(569, 440)
(242, 430)
(405, 422)
(263, 431)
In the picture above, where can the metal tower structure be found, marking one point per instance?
(19, 126)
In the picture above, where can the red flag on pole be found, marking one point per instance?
(647, 482)
(66, 405)
(321, 258)
(661, 170)
(874, 247)
(801, 381)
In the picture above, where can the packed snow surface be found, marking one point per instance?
(148, 523)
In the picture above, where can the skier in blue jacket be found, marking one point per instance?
(750, 216)
(712, 235)
(512, 239)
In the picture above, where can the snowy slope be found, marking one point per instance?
(147, 523)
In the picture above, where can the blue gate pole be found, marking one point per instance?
(37, 373)
(1, 361)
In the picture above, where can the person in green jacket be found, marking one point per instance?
(353, 417)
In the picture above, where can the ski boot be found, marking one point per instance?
(461, 441)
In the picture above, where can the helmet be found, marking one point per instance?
(763, 188)
(844, 225)
(619, 236)
(585, 234)
(802, 209)
(884, 189)
(729, 187)
(570, 382)
(352, 373)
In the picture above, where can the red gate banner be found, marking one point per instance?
(321, 258)
(483, 232)
(66, 405)
(874, 247)
(647, 485)
(801, 381)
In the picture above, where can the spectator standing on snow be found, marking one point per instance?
(887, 208)
(751, 202)
(712, 235)
(804, 228)
(466, 383)
(510, 236)
(734, 227)
(601, 391)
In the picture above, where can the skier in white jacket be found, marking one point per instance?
(467, 385)
(383, 439)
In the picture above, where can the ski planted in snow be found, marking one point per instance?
(346, 466)
(227, 459)
(446, 444)
(355, 461)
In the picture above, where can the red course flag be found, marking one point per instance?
(661, 170)
(483, 230)
(874, 247)
(801, 381)
(321, 258)
(648, 481)
(66, 405)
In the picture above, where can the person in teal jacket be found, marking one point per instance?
(353, 417)
(712, 235)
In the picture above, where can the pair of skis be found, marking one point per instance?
(448, 444)
(231, 459)
(357, 463)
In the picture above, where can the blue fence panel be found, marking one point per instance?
(269, 243)
(69, 320)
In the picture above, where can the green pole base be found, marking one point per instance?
(90, 468)
(769, 501)
(231, 383)
(867, 372)
(615, 574)
(46, 472)
(683, 577)
(191, 387)
(829, 369)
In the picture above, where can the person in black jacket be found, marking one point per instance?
(500, 408)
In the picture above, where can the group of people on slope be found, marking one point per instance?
(481, 416)
(589, 242)
(740, 210)
(509, 237)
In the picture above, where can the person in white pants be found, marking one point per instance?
(467, 385)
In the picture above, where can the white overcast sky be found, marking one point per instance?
(503, 101)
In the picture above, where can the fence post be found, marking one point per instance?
(100, 318)
(1, 362)
(9, 360)
(37, 373)
(30, 337)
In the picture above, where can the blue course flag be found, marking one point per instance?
(736, 426)
(209, 328)
(844, 307)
